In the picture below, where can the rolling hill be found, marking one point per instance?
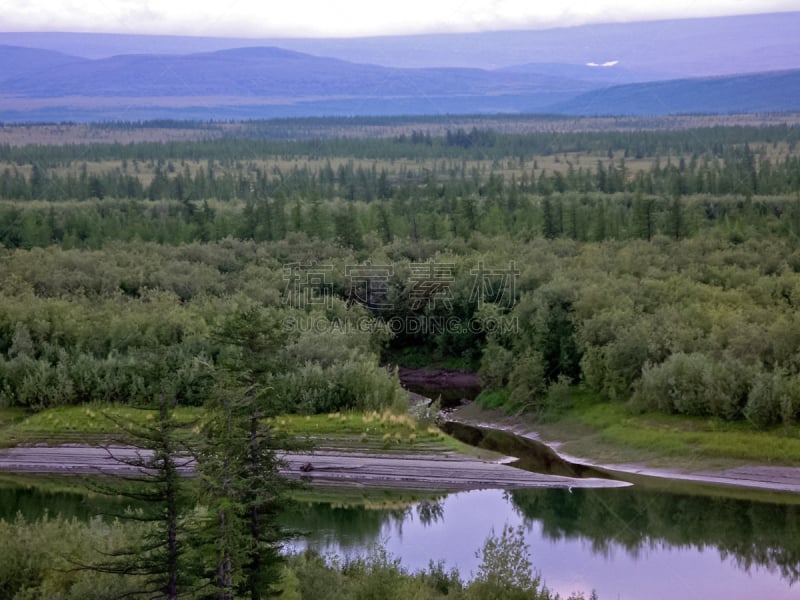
(270, 73)
(722, 65)
(23, 62)
(752, 93)
(669, 49)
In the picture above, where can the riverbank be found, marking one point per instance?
(381, 450)
(566, 439)
(445, 472)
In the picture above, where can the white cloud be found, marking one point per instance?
(291, 18)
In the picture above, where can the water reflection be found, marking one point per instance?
(626, 543)
(31, 498)
(328, 527)
(749, 533)
(430, 512)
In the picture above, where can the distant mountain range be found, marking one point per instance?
(262, 72)
(724, 65)
(756, 93)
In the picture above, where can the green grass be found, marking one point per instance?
(609, 431)
(375, 432)
(348, 423)
(93, 419)
(79, 424)
(493, 399)
(381, 431)
(363, 431)
(11, 416)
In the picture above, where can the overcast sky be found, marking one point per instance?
(343, 18)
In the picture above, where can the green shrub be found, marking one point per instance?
(496, 365)
(40, 558)
(491, 399)
(693, 384)
(527, 383)
(559, 396)
(357, 384)
(505, 570)
(773, 398)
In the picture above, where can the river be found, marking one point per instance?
(627, 544)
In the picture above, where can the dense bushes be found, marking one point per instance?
(675, 285)
(774, 397)
(350, 384)
(694, 384)
(128, 322)
(688, 326)
(42, 560)
(697, 327)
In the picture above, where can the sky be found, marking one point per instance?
(349, 18)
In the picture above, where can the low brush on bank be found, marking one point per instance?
(377, 432)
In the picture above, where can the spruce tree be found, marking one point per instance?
(240, 464)
(151, 474)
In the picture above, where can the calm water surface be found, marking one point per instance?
(624, 543)
(628, 543)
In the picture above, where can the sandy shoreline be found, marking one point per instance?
(448, 472)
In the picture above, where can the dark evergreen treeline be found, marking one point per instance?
(169, 200)
(251, 141)
(358, 225)
(736, 171)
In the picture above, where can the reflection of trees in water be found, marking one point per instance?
(33, 502)
(430, 512)
(750, 533)
(346, 527)
(324, 526)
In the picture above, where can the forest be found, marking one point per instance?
(655, 268)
